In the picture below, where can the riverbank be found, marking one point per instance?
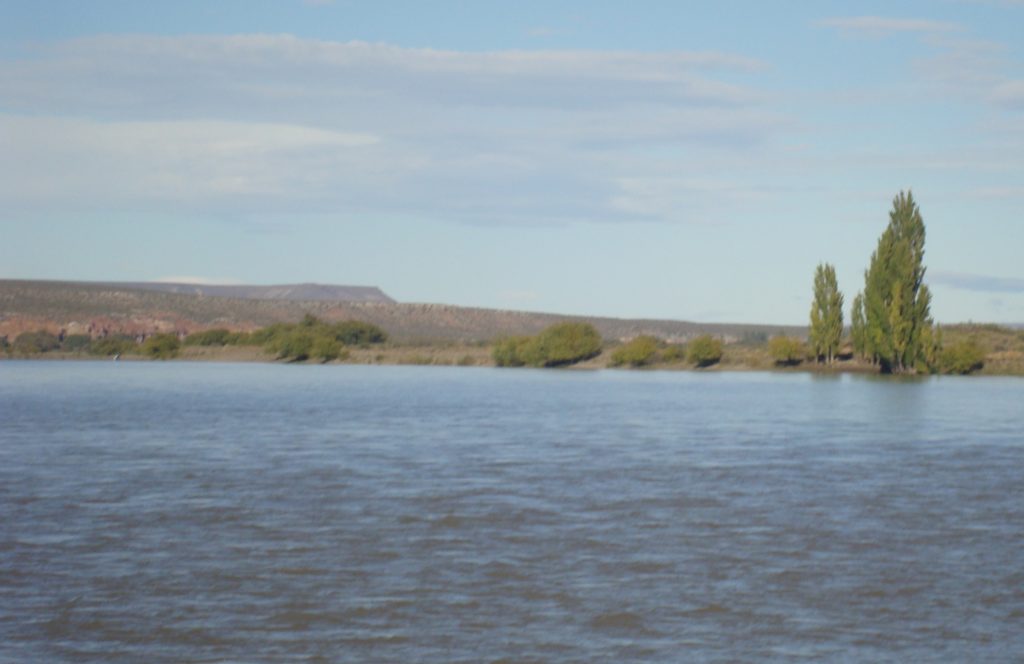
(736, 358)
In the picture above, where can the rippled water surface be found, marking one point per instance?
(263, 513)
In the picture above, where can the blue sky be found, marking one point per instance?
(645, 159)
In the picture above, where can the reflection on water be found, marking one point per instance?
(179, 512)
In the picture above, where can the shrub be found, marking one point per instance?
(76, 343)
(311, 337)
(117, 344)
(511, 351)
(962, 357)
(215, 337)
(31, 343)
(786, 351)
(357, 333)
(265, 335)
(239, 339)
(637, 352)
(326, 349)
(704, 351)
(564, 343)
(161, 346)
(295, 344)
(674, 353)
(558, 345)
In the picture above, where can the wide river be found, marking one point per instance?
(181, 512)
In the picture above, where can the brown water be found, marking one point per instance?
(265, 513)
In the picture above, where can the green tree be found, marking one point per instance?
(858, 333)
(931, 349)
(896, 301)
(826, 314)
(704, 351)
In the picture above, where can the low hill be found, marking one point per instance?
(297, 292)
(100, 308)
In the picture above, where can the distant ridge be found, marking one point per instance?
(100, 308)
(303, 292)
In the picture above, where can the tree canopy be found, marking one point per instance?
(895, 302)
(558, 345)
(826, 314)
(704, 351)
(786, 351)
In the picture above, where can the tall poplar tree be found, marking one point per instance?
(896, 302)
(858, 333)
(826, 314)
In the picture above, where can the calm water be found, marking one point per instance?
(182, 512)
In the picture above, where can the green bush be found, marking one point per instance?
(357, 333)
(215, 337)
(161, 346)
(962, 357)
(638, 352)
(116, 344)
(5, 345)
(312, 337)
(563, 344)
(32, 343)
(704, 351)
(786, 351)
(558, 345)
(294, 344)
(674, 353)
(239, 339)
(511, 351)
(325, 348)
(76, 343)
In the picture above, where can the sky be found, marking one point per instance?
(643, 159)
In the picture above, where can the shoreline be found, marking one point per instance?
(736, 361)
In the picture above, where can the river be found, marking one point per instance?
(204, 512)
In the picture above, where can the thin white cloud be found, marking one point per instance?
(115, 74)
(82, 160)
(959, 65)
(880, 25)
(1009, 94)
(977, 282)
(242, 125)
